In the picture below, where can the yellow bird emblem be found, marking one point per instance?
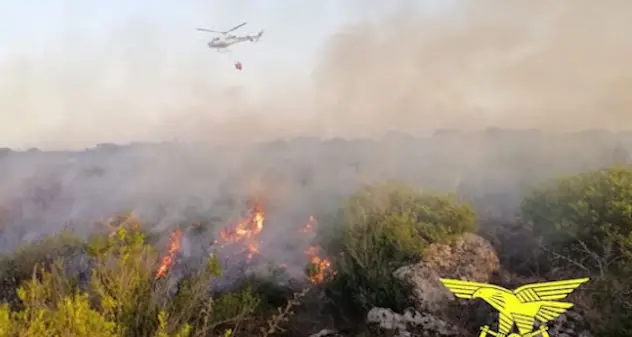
(521, 306)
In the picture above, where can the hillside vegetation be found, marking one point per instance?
(108, 283)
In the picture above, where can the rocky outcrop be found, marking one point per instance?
(469, 258)
(411, 324)
(436, 312)
(570, 324)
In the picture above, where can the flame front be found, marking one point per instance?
(175, 241)
(246, 232)
(321, 267)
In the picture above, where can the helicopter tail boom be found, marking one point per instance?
(255, 38)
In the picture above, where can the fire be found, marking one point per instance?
(321, 266)
(175, 241)
(246, 231)
(246, 234)
(252, 250)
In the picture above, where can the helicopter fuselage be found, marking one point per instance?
(224, 41)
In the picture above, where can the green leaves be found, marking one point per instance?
(47, 312)
(586, 215)
(381, 228)
(585, 221)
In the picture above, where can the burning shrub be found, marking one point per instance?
(131, 291)
(143, 293)
(381, 228)
(251, 254)
(122, 281)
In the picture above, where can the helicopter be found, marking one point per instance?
(225, 40)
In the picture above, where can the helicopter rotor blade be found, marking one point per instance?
(236, 27)
(209, 30)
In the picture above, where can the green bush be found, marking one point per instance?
(587, 216)
(19, 266)
(381, 228)
(47, 311)
(124, 298)
(585, 223)
(125, 289)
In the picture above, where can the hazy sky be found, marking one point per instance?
(72, 28)
(76, 73)
(84, 60)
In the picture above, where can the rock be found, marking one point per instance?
(411, 323)
(570, 324)
(469, 258)
(326, 333)
(386, 318)
(428, 292)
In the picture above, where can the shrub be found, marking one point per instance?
(587, 217)
(381, 228)
(18, 267)
(124, 298)
(585, 223)
(122, 281)
(47, 311)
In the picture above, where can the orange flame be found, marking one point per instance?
(175, 241)
(321, 266)
(252, 249)
(246, 231)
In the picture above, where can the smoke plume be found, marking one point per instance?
(468, 64)
(556, 66)
(517, 64)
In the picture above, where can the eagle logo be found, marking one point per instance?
(520, 307)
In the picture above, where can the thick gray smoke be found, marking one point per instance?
(528, 64)
(516, 64)
(468, 65)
